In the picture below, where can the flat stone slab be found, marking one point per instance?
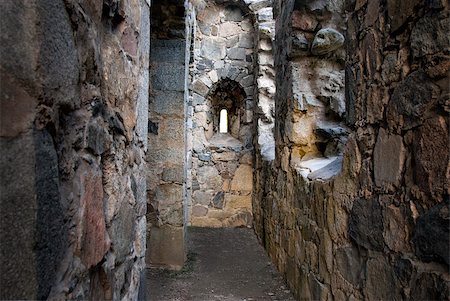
(223, 264)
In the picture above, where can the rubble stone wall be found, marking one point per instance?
(222, 78)
(231, 68)
(74, 97)
(379, 230)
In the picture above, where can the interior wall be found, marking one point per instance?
(222, 71)
(379, 229)
(166, 119)
(73, 97)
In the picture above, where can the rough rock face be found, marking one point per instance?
(73, 107)
(378, 230)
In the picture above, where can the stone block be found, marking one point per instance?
(17, 108)
(349, 264)
(237, 54)
(200, 88)
(234, 13)
(233, 41)
(166, 247)
(389, 158)
(228, 29)
(96, 138)
(199, 211)
(395, 229)
(366, 224)
(400, 11)
(209, 178)
(168, 194)
(122, 231)
(380, 284)
(202, 197)
(300, 45)
(247, 81)
(431, 236)
(233, 202)
(431, 151)
(411, 101)
(240, 219)
(303, 21)
(213, 48)
(243, 179)
(326, 40)
(218, 200)
(246, 40)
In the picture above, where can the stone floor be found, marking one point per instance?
(223, 264)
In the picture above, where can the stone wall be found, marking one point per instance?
(166, 138)
(223, 78)
(74, 96)
(379, 229)
(232, 68)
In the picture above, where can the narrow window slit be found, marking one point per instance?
(223, 123)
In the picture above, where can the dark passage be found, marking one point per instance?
(223, 264)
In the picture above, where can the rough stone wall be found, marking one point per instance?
(379, 230)
(166, 137)
(232, 48)
(223, 78)
(73, 105)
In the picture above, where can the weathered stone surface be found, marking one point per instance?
(122, 232)
(303, 21)
(202, 197)
(411, 101)
(400, 11)
(300, 45)
(366, 224)
(17, 108)
(236, 201)
(228, 29)
(213, 48)
(198, 211)
(243, 179)
(431, 234)
(431, 142)
(234, 13)
(218, 200)
(173, 174)
(429, 36)
(349, 264)
(246, 40)
(395, 229)
(237, 54)
(380, 283)
(326, 41)
(389, 158)
(94, 241)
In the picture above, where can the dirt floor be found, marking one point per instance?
(223, 264)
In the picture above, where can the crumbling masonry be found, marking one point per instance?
(322, 124)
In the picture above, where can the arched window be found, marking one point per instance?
(223, 122)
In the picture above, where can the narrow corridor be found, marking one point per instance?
(223, 264)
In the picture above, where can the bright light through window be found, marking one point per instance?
(223, 123)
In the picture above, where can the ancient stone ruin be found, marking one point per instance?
(323, 125)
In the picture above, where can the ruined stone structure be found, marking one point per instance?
(322, 124)
(379, 228)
